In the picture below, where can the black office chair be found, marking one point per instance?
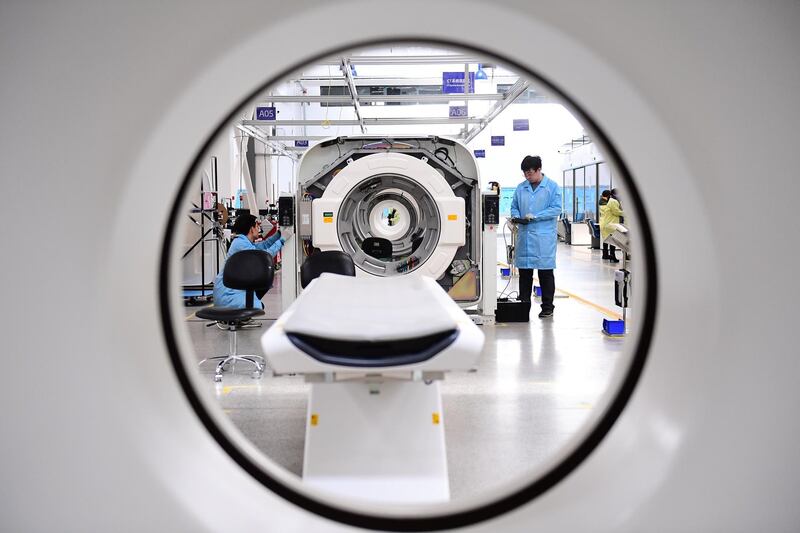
(333, 261)
(377, 247)
(251, 271)
(567, 230)
(594, 232)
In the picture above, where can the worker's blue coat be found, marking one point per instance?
(225, 297)
(536, 241)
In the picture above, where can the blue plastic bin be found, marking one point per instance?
(537, 291)
(505, 272)
(614, 327)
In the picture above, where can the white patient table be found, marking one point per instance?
(374, 350)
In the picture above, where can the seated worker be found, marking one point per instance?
(247, 228)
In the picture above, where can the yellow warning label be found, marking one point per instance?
(314, 419)
(452, 217)
(436, 419)
(327, 220)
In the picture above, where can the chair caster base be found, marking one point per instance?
(217, 378)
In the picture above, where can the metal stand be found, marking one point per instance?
(212, 216)
(620, 239)
(230, 359)
(377, 439)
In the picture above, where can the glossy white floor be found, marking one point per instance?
(535, 386)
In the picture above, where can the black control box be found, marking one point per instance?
(512, 311)
(491, 209)
(286, 211)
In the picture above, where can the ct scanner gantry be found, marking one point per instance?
(420, 193)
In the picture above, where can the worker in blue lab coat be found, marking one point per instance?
(535, 208)
(247, 228)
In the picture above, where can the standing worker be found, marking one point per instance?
(535, 207)
(610, 213)
(247, 229)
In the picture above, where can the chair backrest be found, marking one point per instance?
(249, 270)
(377, 247)
(333, 261)
(567, 230)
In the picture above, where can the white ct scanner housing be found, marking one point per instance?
(420, 193)
(106, 426)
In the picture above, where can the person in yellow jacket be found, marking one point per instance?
(610, 212)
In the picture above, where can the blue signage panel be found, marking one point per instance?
(453, 82)
(479, 153)
(521, 124)
(266, 113)
(458, 111)
(498, 140)
(301, 144)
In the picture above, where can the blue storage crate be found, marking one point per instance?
(614, 327)
(505, 272)
(537, 291)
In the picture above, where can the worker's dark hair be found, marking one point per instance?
(606, 194)
(531, 162)
(243, 224)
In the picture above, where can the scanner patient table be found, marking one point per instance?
(374, 351)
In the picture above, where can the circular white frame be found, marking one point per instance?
(169, 147)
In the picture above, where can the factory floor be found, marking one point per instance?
(536, 385)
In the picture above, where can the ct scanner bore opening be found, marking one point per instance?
(396, 208)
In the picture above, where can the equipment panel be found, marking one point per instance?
(286, 211)
(491, 209)
(304, 219)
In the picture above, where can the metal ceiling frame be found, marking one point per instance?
(338, 81)
(385, 121)
(345, 67)
(573, 144)
(265, 139)
(403, 60)
(513, 93)
(421, 98)
(255, 128)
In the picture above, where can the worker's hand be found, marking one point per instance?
(529, 217)
(286, 234)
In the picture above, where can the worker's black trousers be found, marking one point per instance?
(548, 284)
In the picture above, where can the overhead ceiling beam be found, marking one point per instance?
(405, 60)
(394, 81)
(295, 137)
(348, 76)
(290, 149)
(513, 93)
(421, 98)
(265, 140)
(399, 121)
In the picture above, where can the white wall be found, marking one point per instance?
(581, 156)
(551, 125)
